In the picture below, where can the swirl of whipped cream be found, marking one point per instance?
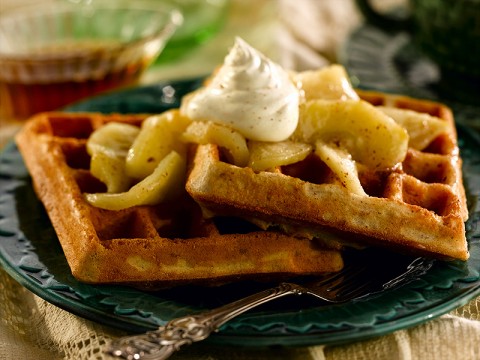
(251, 94)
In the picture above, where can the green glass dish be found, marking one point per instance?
(202, 21)
(31, 254)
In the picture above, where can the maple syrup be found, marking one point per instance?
(57, 82)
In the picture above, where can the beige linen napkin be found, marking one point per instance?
(311, 32)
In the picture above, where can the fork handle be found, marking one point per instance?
(161, 343)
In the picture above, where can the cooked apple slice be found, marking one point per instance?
(165, 182)
(110, 170)
(268, 155)
(158, 136)
(208, 132)
(371, 137)
(329, 83)
(342, 164)
(422, 128)
(113, 138)
(108, 146)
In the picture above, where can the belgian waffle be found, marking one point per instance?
(148, 246)
(418, 207)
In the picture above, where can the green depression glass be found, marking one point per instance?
(202, 20)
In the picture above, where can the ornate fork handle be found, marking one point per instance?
(163, 342)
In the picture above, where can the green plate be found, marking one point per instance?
(30, 253)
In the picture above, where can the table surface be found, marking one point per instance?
(31, 328)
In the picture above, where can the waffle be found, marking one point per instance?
(148, 246)
(417, 208)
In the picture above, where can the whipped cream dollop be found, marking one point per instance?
(251, 94)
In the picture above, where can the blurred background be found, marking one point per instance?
(299, 35)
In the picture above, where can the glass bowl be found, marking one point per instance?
(203, 19)
(57, 52)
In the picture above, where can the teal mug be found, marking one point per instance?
(446, 31)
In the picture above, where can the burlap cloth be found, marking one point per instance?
(31, 328)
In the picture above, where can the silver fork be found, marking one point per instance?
(354, 282)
